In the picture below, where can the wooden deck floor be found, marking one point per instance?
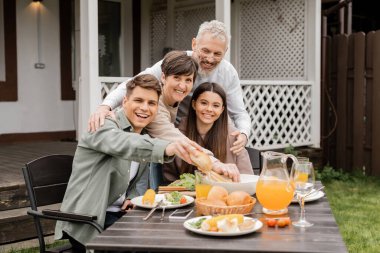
(13, 157)
(15, 224)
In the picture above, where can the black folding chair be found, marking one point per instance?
(46, 180)
(255, 157)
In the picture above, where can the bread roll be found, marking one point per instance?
(238, 198)
(201, 160)
(217, 193)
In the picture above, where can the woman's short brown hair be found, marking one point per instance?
(146, 81)
(179, 63)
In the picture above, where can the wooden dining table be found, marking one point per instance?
(131, 233)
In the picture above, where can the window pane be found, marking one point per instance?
(109, 36)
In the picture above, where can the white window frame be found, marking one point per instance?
(2, 42)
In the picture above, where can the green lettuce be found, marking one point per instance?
(186, 180)
(173, 197)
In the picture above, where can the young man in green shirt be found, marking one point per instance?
(111, 165)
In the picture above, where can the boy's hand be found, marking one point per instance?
(127, 205)
(182, 148)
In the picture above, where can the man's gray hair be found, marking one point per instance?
(216, 28)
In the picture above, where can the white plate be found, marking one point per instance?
(313, 196)
(168, 205)
(187, 225)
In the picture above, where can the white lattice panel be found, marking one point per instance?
(187, 22)
(107, 88)
(108, 84)
(272, 39)
(280, 114)
(158, 24)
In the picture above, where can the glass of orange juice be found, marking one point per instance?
(303, 177)
(201, 188)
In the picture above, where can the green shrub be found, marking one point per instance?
(328, 173)
(291, 150)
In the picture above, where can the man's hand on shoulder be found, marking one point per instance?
(96, 119)
(240, 143)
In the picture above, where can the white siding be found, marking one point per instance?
(39, 107)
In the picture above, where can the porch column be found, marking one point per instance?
(223, 14)
(89, 87)
(314, 67)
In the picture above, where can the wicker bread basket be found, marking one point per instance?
(207, 209)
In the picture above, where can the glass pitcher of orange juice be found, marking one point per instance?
(274, 189)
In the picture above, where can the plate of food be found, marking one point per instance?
(223, 225)
(314, 195)
(170, 200)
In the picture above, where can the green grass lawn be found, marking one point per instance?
(355, 202)
(37, 249)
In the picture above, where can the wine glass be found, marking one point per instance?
(303, 177)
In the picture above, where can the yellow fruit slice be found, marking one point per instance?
(149, 197)
(211, 224)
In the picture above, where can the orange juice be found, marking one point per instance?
(201, 190)
(301, 176)
(274, 194)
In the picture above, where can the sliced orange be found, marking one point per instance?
(149, 197)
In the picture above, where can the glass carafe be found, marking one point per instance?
(274, 188)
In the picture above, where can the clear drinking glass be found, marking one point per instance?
(201, 188)
(302, 159)
(303, 177)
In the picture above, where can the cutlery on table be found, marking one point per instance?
(314, 191)
(311, 192)
(163, 213)
(153, 209)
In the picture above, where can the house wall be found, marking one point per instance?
(39, 107)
